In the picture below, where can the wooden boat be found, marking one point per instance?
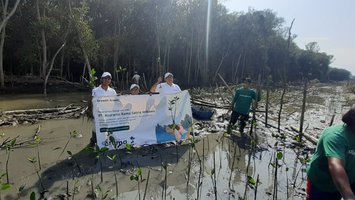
(202, 112)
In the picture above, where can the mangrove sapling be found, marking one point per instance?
(33, 161)
(37, 141)
(76, 162)
(9, 147)
(287, 189)
(136, 177)
(4, 186)
(146, 185)
(116, 146)
(165, 185)
(99, 155)
(71, 135)
(104, 194)
(20, 190)
(33, 196)
(256, 187)
(188, 173)
(278, 157)
(75, 188)
(67, 190)
(114, 160)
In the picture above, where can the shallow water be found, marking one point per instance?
(227, 156)
(191, 173)
(35, 101)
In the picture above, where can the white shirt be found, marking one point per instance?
(164, 88)
(100, 92)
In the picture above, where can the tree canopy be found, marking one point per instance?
(156, 36)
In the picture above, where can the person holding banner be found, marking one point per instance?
(104, 89)
(134, 89)
(168, 87)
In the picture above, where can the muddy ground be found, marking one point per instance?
(265, 165)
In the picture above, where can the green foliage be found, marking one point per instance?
(33, 196)
(251, 181)
(129, 148)
(85, 32)
(279, 155)
(140, 34)
(4, 186)
(32, 159)
(113, 158)
(93, 78)
(335, 74)
(104, 194)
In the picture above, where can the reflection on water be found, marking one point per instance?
(34, 101)
(216, 163)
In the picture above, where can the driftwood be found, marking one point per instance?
(31, 116)
(293, 132)
(308, 137)
(200, 102)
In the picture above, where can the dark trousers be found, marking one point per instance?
(242, 120)
(314, 193)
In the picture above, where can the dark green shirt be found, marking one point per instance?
(242, 100)
(336, 141)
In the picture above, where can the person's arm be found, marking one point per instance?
(340, 178)
(154, 87)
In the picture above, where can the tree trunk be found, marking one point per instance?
(116, 48)
(87, 62)
(3, 34)
(43, 43)
(280, 110)
(235, 76)
(6, 18)
(2, 41)
(303, 108)
(50, 69)
(62, 63)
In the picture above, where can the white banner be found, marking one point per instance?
(142, 119)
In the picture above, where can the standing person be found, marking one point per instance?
(104, 89)
(168, 87)
(241, 102)
(134, 89)
(136, 78)
(331, 172)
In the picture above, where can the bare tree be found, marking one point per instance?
(5, 18)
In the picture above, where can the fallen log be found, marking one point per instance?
(13, 118)
(41, 110)
(213, 105)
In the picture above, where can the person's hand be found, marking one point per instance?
(160, 79)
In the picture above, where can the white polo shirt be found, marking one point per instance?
(100, 92)
(164, 88)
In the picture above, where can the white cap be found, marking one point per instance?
(133, 86)
(106, 74)
(168, 74)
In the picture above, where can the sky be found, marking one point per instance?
(329, 23)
